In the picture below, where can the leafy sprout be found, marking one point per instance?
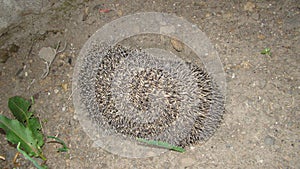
(266, 51)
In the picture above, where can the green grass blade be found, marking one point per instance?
(29, 158)
(65, 148)
(162, 144)
(32, 100)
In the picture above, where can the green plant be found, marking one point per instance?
(64, 148)
(266, 51)
(25, 130)
(162, 144)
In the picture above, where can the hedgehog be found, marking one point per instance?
(133, 93)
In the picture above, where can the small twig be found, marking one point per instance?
(2, 158)
(56, 53)
(15, 158)
(30, 50)
(72, 92)
(47, 70)
(31, 83)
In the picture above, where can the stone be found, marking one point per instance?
(249, 6)
(269, 140)
(177, 45)
(47, 53)
(65, 86)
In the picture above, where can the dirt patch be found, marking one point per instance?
(261, 128)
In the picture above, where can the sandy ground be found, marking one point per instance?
(261, 126)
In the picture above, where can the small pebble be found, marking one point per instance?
(229, 146)
(269, 140)
(119, 13)
(64, 86)
(47, 53)
(261, 36)
(255, 16)
(249, 6)
(56, 91)
(233, 75)
(177, 45)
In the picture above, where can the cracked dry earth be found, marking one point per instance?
(261, 128)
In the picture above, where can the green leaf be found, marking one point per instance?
(35, 127)
(16, 132)
(19, 107)
(162, 144)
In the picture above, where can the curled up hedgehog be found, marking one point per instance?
(136, 94)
